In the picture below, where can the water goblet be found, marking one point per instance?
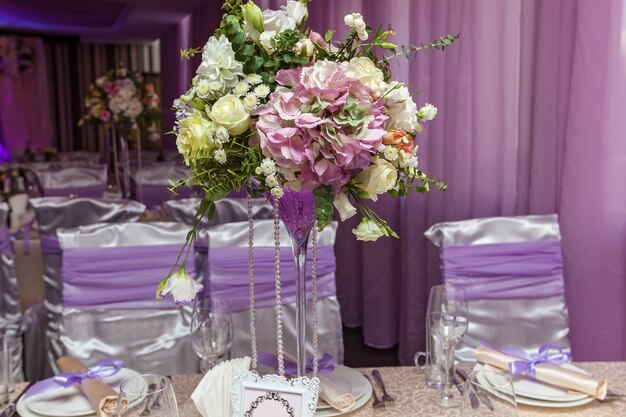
(448, 329)
(147, 396)
(488, 393)
(212, 331)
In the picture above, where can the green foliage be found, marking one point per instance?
(324, 206)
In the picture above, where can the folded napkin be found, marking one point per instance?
(212, 396)
(335, 395)
(543, 371)
(102, 397)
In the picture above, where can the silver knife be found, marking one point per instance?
(11, 409)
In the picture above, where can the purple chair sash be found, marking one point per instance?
(50, 245)
(505, 270)
(6, 242)
(90, 191)
(227, 272)
(155, 195)
(110, 276)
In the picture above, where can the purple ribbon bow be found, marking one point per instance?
(324, 364)
(547, 354)
(102, 369)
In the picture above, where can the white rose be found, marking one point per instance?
(134, 109)
(278, 20)
(100, 81)
(367, 230)
(117, 105)
(266, 40)
(230, 112)
(305, 47)
(194, 136)
(364, 70)
(378, 178)
(296, 10)
(343, 206)
(428, 112)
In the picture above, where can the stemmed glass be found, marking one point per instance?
(147, 396)
(447, 322)
(488, 393)
(211, 331)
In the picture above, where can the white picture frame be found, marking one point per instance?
(273, 395)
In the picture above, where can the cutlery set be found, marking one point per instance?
(379, 402)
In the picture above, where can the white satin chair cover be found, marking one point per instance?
(41, 323)
(522, 323)
(10, 306)
(330, 336)
(227, 210)
(72, 180)
(154, 182)
(148, 339)
(81, 157)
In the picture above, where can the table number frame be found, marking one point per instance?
(270, 387)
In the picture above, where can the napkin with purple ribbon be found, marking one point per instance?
(544, 367)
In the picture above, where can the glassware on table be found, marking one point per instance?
(5, 368)
(488, 393)
(442, 298)
(448, 329)
(212, 331)
(147, 396)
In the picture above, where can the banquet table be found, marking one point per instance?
(413, 398)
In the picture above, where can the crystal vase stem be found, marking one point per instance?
(299, 253)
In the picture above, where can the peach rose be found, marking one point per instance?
(400, 140)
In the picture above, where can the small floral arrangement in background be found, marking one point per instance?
(123, 99)
(276, 106)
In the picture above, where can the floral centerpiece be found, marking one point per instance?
(122, 99)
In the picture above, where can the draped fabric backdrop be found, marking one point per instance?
(531, 106)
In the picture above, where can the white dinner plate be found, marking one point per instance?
(482, 378)
(361, 391)
(537, 390)
(67, 402)
(344, 378)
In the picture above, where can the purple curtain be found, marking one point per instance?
(530, 122)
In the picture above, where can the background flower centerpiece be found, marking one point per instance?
(123, 100)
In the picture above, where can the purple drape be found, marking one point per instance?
(531, 102)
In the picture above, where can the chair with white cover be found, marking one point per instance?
(41, 322)
(512, 271)
(150, 183)
(10, 306)
(110, 274)
(79, 181)
(227, 277)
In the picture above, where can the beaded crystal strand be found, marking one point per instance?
(279, 306)
(253, 361)
(314, 298)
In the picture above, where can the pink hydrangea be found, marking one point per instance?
(321, 125)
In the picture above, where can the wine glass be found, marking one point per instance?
(211, 331)
(147, 396)
(488, 393)
(448, 329)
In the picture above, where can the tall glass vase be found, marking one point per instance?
(297, 212)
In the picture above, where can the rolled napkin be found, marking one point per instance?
(212, 396)
(334, 395)
(543, 368)
(331, 392)
(102, 397)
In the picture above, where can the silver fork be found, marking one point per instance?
(377, 403)
(379, 379)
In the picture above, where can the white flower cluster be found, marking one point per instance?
(269, 171)
(364, 69)
(126, 101)
(219, 70)
(274, 22)
(401, 109)
(355, 21)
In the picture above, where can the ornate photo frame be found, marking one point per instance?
(273, 395)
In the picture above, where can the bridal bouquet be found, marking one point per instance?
(123, 99)
(275, 106)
